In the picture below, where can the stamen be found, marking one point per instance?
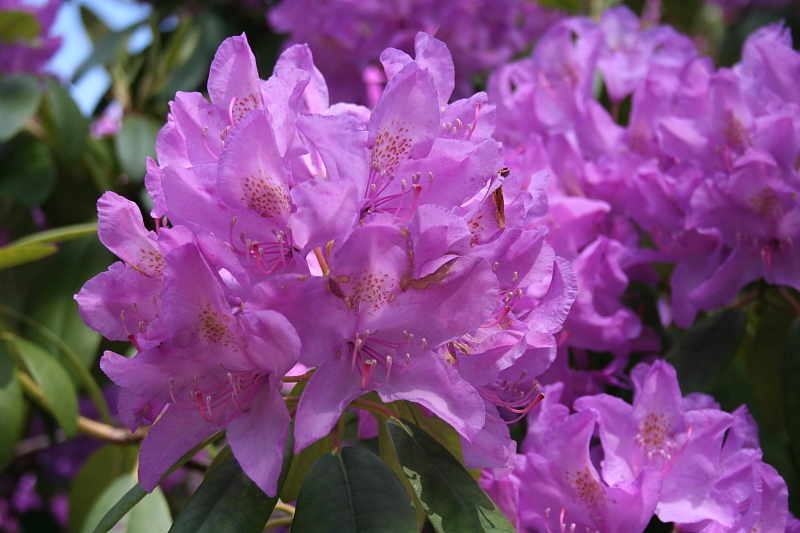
(230, 110)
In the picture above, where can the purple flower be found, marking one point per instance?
(347, 38)
(25, 55)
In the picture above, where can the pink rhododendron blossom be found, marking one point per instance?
(681, 459)
(385, 250)
(30, 55)
(348, 37)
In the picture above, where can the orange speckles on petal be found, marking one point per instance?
(767, 204)
(588, 490)
(214, 328)
(266, 196)
(392, 145)
(655, 435)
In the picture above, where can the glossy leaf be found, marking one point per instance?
(389, 456)
(19, 100)
(706, 350)
(134, 143)
(149, 513)
(12, 406)
(228, 501)
(19, 254)
(453, 500)
(95, 28)
(98, 472)
(56, 385)
(62, 234)
(301, 464)
(119, 510)
(27, 171)
(105, 51)
(18, 25)
(353, 491)
(52, 304)
(791, 386)
(67, 126)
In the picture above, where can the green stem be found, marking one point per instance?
(372, 407)
(92, 388)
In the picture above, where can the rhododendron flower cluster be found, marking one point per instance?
(701, 173)
(380, 248)
(29, 55)
(680, 458)
(348, 37)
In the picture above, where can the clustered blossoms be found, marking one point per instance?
(382, 248)
(702, 174)
(24, 55)
(680, 458)
(347, 37)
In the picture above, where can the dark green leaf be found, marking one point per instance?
(707, 349)
(18, 25)
(19, 100)
(53, 306)
(389, 457)
(228, 501)
(135, 511)
(47, 372)
(570, 6)
(103, 467)
(12, 406)
(27, 171)
(64, 121)
(791, 386)
(105, 51)
(301, 464)
(135, 141)
(19, 254)
(353, 492)
(95, 28)
(453, 500)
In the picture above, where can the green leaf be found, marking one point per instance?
(64, 233)
(12, 407)
(791, 386)
(116, 512)
(97, 473)
(95, 28)
(39, 245)
(228, 501)
(47, 372)
(135, 511)
(389, 457)
(353, 492)
(134, 143)
(453, 500)
(301, 464)
(67, 126)
(27, 171)
(18, 25)
(19, 100)
(19, 254)
(706, 350)
(52, 304)
(105, 51)
(570, 6)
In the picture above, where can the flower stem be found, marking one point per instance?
(372, 407)
(323, 264)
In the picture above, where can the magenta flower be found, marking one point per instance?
(214, 370)
(30, 56)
